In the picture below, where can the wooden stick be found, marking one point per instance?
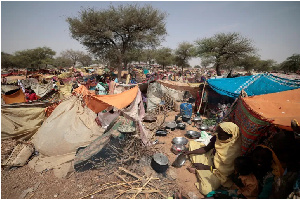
(122, 178)
(201, 97)
(140, 189)
(120, 184)
(140, 178)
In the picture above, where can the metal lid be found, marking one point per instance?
(161, 159)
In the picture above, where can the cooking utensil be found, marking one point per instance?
(161, 133)
(193, 134)
(149, 118)
(179, 161)
(186, 118)
(197, 120)
(160, 163)
(203, 127)
(181, 126)
(171, 125)
(180, 140)
(178, 148)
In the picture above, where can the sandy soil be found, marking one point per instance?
(15, 181)
(185, 180)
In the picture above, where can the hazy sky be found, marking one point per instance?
(274, 27)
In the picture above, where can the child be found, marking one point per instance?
(244, 178)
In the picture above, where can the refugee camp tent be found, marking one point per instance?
(98, 103)
(14, 96)
(69, 126)
(255, 115)
(252, 85)
(21, 122)
(72, 125)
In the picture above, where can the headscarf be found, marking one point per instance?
(277, 169)
(227, 151)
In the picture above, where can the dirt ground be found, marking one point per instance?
(15, 182)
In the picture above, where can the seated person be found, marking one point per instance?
(213, 169)
(267, 167)
(31, 96)
(244, 179)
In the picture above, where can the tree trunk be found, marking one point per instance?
(163, 67)
(120, 69)
(182, 70)
(218, 69)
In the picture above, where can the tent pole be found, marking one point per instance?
(201, 97)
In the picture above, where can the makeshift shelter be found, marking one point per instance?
(254, 115)
(14, 96)
(252, 85)
(98, 103)
(21, 122)
(193, 88)
(69, 126)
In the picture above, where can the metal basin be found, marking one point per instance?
(181, 126)
(193, 134)
(178, 148)
(180, 140)
(203, 127)
(180, 160)
(149, 118)
(171, 125)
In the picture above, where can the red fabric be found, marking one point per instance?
(32, 97)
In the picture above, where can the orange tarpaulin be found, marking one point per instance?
(17, 97)
(278, 108)
(98, 103)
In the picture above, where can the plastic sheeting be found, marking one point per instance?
(253, 85)
(156, 91)
(21, 123)
(98, 103)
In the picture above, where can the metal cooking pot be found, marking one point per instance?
(180, 160)
(193, 134)
(203, 127)
(181, 126)
(178, 148)
(171, 125)
(186, 118)
(149, 118)
(160, 163)
(180, 140)
(161, 133)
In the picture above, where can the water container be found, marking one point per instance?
(186, 109)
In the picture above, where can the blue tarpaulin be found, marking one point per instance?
(252, 85)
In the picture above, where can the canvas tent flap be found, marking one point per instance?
(7, 88)
(21, 123)
(192, 88)
(98, 103)
(278, 108)
(69, 126)
(253, 85)
(17, 97)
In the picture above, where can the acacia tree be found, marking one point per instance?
(62, 62)
(225, 49)
(118, 29)
(291, 64)
(34, 57)
(183, 53)
(7, 60)
(72, 55)
(164, 57)
(85, 59)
